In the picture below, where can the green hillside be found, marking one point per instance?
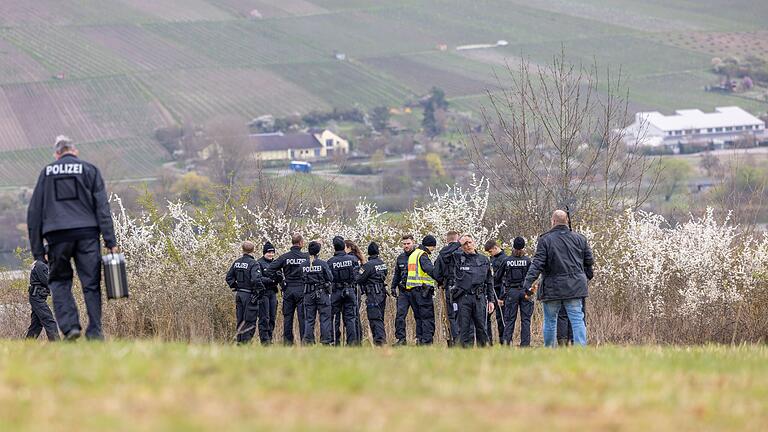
(115, 70)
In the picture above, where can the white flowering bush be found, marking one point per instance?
(702, 280)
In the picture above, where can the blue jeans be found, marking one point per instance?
(575, 314)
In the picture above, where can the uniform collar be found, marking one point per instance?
(70, 155)
(298, 248)
(337, 253)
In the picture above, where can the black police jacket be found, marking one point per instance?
(444, 263)
(563, 258)
(400, 274)
(292, 264)
(473, 274)
(497, 263)
(316, 274)
(39, 274)
(274, 279)
(69, 195)
(344, 267)
(373, 275)
(245, 274)
(513, 271)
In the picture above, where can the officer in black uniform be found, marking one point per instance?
(70, 209)
(246, 280)
(444, 269)
(317, 297)
(38, 296)
(498, 257)
(292, 264)
(372, 281)
(476, 298)
(344, 299)
(268, 304)
(512, 274)
(399, 277)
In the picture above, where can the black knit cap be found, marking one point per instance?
(373, 249)
(338, 243)
(428, 240)
(268, 248)
(314, 248)
(518, 243)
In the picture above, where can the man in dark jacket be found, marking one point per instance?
(268, 304)
(498, 258)
(512, 274)
(564, 258)
(474, 283)
(344, 301)
(372, 281)
(38, 295)
(317, 297)
(292, 264)
(399, 278)
(246, 280)
(70, 209)
(444, 275)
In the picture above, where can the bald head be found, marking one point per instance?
(559, 217)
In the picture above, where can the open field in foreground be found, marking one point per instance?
(152, 385)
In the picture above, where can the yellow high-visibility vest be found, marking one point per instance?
(416, 276)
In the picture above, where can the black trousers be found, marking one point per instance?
(41, 316)
(293, 302)
(452, 310)
(472, 311)
(318, 303)
(375, 306)
(420, 300)
(345, 308)
(87, 256)
(499, 324)
(564, 328)
(247, 311)
(514, 300)
(267, 315)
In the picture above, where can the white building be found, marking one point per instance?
(725, 125)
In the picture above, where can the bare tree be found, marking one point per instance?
(552, 139)
(228, 146)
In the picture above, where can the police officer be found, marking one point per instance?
(246, 280)
(498, 257)
(444, 275)
(476, 298)
(344, 300)
(420, 290)
(292, 264)
(565, 260)
(70, 209)
(268, 304)
(317, 279)
(512, 274)
(38, 295)
(372, 282)
(399, 278)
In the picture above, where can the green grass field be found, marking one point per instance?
(152, 385)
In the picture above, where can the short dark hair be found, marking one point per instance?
(490, 244)
(407, 237)
(248, 246)
(296, 239)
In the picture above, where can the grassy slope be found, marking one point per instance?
(140, 385)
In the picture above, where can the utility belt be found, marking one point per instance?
(374, 289)
(426, 291)
(476, 292)
(39, 290)
(340, 286)
(513, 287)
(310, 288)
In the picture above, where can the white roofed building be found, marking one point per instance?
(725, 125)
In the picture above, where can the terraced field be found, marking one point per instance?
(114, 70)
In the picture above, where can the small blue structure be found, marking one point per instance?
(301, 166)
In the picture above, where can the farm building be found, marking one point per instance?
(315, 144)
(725, 125)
